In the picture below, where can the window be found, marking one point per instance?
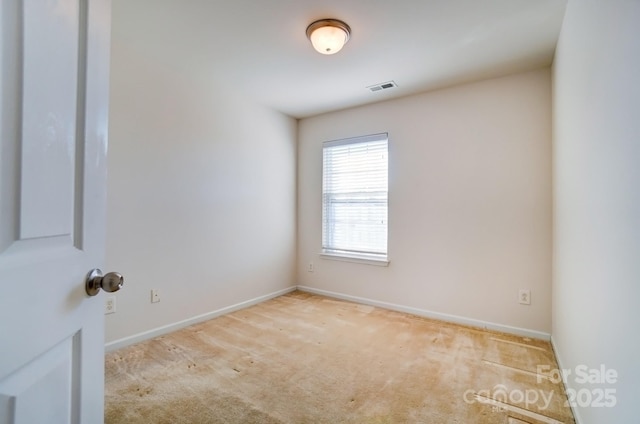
(354, 198)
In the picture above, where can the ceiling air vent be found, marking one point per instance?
(382, 86)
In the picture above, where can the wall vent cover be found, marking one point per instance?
(382, 86)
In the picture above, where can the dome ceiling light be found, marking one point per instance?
(328, 36)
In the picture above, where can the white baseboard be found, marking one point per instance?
(561, 365)
(136, 338)
(146, 335)
(434, 315)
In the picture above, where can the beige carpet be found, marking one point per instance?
(303, 358)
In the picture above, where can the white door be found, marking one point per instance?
(54, 63)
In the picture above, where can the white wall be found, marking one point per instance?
(201, 185)
(470, 201)
(596, 282)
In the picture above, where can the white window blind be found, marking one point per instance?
(354, 197)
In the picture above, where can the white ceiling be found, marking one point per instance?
(259, 47)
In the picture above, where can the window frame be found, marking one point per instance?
(379, 259)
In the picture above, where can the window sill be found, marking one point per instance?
(361, 259)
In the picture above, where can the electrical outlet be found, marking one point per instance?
(110, 305)
(155, 296)
(310, 267)
(524, 297)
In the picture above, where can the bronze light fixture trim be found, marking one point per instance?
(328, 36)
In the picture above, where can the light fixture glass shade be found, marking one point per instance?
(328, 36)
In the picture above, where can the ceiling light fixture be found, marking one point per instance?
(328, 36)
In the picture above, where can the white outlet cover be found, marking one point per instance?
(524, 297)
(155, 296)
(110, 305)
